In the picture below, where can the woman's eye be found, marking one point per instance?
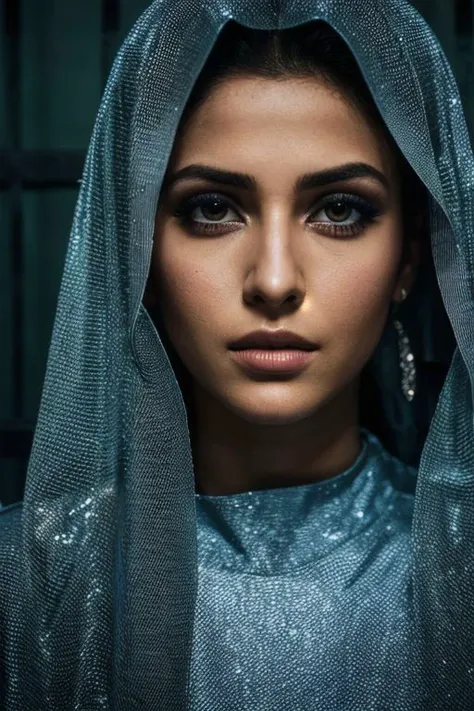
(344, 215)
(339, 212)
(206, 210)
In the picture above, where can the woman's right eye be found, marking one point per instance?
(206, 211)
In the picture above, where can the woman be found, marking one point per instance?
(210, 524)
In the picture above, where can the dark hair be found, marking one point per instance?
(310, 50)
(306, 51)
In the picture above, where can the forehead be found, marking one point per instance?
(295, 123)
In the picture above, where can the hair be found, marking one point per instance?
(311, 50)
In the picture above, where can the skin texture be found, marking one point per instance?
(277, 263)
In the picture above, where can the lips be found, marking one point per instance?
(273, 340)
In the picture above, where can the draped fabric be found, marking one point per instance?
(98, 566)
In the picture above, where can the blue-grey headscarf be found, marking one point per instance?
(98, 570)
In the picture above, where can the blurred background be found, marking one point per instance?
(54, 59)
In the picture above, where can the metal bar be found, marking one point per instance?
(110, 16)
(12, 23)
(15, 439)
(35, 169)
(15, 474)
(463, 17)
(110, 26)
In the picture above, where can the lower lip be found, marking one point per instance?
(284, 361)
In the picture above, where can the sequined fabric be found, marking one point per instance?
(298, 586)
(99, 567)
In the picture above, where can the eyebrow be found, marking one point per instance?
(307, 181)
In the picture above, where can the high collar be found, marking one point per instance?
(272, 531)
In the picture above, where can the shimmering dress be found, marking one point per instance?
(290, 577)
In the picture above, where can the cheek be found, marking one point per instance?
(191, 295)
(359, 290)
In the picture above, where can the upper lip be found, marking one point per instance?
(273, 340)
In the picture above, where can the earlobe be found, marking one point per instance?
(407, 276)
(400, 294)
(404, 284)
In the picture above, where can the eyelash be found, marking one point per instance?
(368, 213)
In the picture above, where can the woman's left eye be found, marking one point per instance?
(340, 213)
(344, 211)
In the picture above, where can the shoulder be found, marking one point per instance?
(11, 597)
(10, 523)
(402, 476)
(10, 541)
(397, 481)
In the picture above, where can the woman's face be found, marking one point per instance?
(321, 259)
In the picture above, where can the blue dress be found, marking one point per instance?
(289, 577)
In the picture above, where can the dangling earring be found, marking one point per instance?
(407, 359)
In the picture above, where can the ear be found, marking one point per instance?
(407, 275)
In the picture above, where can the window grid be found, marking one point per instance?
(22, 170)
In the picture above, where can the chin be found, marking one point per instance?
(272, 419)
(261, 410)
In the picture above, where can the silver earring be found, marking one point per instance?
(407, 359)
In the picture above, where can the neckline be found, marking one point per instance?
(277, 531)
(336, 483)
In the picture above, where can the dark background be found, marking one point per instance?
(54, 59)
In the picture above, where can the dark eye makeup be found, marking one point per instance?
(346, 214)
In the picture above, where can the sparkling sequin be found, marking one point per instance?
(278, 603)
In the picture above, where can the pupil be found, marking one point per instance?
(338, 211)
(215, 209)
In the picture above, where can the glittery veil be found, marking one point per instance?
(98, 568)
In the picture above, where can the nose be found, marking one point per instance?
(274, 279)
